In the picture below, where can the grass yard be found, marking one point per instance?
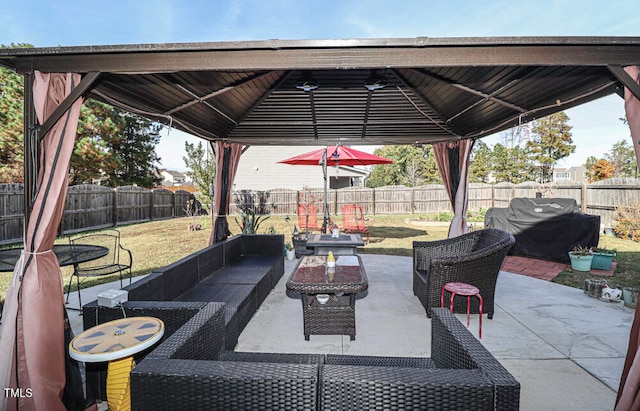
(159, 243)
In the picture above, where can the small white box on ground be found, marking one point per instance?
(112, 298)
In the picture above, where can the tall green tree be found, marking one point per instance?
(115, 147)
(623, 159)
(11, 132)
(413, 165)
(133, 149)
(481, 161)
(512, 164)
(202, 169)
(91, 159)
(590, 172)
(111, 145)
(550, 141)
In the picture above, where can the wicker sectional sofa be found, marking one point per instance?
(195, 367)
(238, 272)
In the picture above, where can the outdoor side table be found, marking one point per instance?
(344, 244)
(67, 254)
(116, 341)
(466, 290)
(329, 295)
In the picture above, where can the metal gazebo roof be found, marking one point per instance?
(360, 91)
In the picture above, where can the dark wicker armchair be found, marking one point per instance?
(474, 258)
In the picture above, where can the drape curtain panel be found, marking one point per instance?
(32, 346)
(227, 159)
(453, 164)
(629, 390)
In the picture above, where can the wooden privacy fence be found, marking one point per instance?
(91, 207)
(601, 198)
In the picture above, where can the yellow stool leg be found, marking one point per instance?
(118, 381)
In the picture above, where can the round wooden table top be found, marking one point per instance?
(116, 339)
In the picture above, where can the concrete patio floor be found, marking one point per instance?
(566, 349)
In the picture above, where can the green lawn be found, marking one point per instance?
(159, 243)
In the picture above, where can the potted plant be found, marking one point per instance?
(291, 253)
(630, 296)
(300, 245)
(602, 258)
(581, 258)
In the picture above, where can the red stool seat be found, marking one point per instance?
(467, 290)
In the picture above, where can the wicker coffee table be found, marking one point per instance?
(329, 295)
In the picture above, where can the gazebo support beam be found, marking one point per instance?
(83, 87)
(628, 81)
(30, 146)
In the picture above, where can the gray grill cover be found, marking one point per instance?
(546, 228)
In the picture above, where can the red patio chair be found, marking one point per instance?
(353, 220)
(307, 217)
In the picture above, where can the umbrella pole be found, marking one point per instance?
(324, 172)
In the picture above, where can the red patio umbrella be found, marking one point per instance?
(334, 156)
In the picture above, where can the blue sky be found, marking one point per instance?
(70, 23)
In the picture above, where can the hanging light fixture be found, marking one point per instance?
(375, 82)
(307, 85)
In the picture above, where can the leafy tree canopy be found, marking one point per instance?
(413, 165)
(550, 141)
(202, 170)
(601, 170)
(623, 159)
(111, 145)
(11, 134)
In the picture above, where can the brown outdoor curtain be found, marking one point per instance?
(629, 390)
(453, 164)
(32, 346)
(227, 159)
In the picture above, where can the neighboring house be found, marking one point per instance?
(570, 174)
(259, 170)
(174, 178)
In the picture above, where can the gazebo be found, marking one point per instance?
(442, 91)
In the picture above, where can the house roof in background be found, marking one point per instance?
(369, 91)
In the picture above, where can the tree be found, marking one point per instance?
(413, 165)
(601, 170)
(115, 147)
(11, 131)
(110, 144)
(11, 136)
(550, 142)
(133, 149)
(589, 165)
(481, 161)
(91, 158)
(623, 159)
(512, 165)
(202, 170)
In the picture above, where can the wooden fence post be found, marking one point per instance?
(412, 205)
(493, 195)
(373, 200)
(583, 197)
(151, 203)
(115, 207)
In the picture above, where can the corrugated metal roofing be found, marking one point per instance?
(434, 89)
